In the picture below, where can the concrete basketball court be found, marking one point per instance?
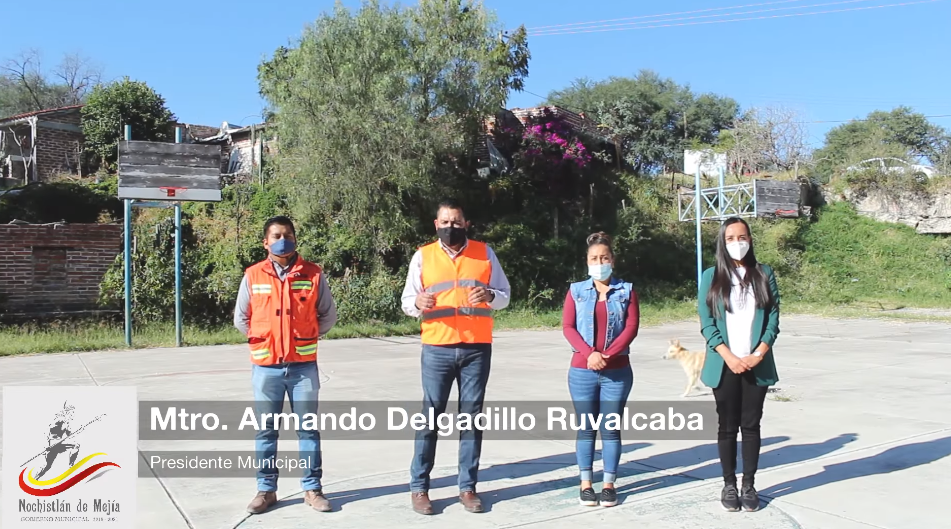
(857, 435)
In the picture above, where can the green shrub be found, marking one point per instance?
(853, 258)
(368, 299)
(58, 201)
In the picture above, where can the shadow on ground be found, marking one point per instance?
(649, 465)
(892, 460)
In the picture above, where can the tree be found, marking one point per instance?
(767, 139)
(586, 95)
(110, 107)
(379, 109)
(25, 86)
(900, 133)
(654, 119)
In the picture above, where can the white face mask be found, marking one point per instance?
(599, 272)
(737, 250)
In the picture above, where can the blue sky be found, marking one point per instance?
(202, 56)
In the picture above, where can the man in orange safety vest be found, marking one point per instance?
(453, 287)
(284, 306)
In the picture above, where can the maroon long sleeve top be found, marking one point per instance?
(614, 360)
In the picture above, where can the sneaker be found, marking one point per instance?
(608, 497)
(588, 497)
(729, 498)
(749, 498)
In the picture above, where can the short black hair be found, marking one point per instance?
(280, 220)
(449, 203)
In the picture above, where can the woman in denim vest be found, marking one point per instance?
(600, 320)
(739, 318)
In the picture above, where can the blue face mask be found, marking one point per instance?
(282, 247)
(599, 272)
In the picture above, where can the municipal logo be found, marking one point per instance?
(69, 457)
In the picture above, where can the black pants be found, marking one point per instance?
(740, 408)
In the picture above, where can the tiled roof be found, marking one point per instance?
(40, 112)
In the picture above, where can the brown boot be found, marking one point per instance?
(317, 501)
(471, 501)
(262, 502)
(421, 503)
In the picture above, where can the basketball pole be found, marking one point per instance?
(696, 205)
(178, 260)
(128, 258)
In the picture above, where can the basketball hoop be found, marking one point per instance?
(170, 191)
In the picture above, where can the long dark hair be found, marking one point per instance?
(726, 269)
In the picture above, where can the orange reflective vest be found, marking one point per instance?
(453, 319)
(283, 313)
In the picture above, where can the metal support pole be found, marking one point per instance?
(178, 260)
(699, 238)
(127, 262)
(720, 206)
(178, 275)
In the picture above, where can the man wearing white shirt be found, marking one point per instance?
(453, 286)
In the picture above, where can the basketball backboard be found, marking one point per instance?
(151, 170)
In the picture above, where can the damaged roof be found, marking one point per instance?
(227, 130)
(40, 113)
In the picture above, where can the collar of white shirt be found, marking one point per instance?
(452, 253)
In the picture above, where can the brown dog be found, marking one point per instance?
(691, 361)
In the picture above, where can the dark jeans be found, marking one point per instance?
(467, 365)
(740, 408)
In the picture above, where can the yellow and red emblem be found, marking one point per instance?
(64, 481)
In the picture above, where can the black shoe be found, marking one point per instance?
(608, 497)
(749, 499)
(729, 498)
(588, 497)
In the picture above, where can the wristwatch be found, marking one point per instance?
(757, 353)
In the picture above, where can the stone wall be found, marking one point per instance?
(925, 213)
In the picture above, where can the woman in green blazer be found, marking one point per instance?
(739, 318)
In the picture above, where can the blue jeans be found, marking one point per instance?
(465, 364)
(299, 382)
(594, 392)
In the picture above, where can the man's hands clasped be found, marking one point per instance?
(427, 300)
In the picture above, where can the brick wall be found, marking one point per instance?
(55, 268)
(57, 151)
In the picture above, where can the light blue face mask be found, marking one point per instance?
(600, 272)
